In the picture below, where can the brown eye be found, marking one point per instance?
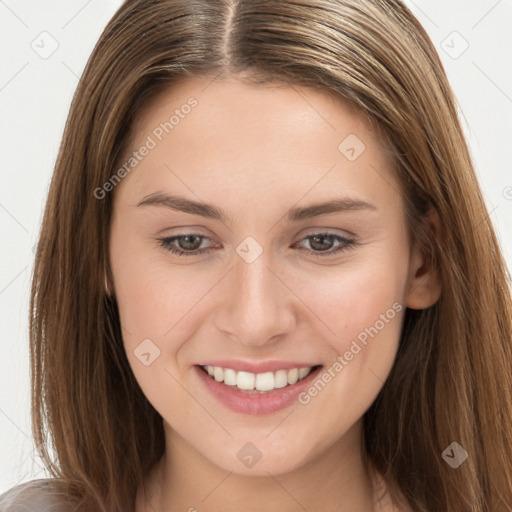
(327, 244)
(321, 242)
(189, 242)
(185, 245)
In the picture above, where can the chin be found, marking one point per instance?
(249, 460)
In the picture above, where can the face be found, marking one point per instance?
(223, 256)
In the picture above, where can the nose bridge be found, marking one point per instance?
(256, 307)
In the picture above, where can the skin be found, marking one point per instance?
(256, 152)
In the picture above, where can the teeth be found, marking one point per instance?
(230, 377)
(245, 380)
(248, 381)
(265, 381)
(281, 378)
(293, 376)
(303, 372)
(218, 374)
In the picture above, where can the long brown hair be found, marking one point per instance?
(451, 381)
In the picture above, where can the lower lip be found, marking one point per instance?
(256, 404)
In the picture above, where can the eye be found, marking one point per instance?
(321, 244)
(187, 245)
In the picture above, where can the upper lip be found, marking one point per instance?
(241, 365)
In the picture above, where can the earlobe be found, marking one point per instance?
(424, 283)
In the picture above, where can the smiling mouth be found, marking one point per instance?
(257, 383)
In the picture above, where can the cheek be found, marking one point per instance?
(153, 295)
(351, 298)
(360, 307)
(155, 302)
(158, 311)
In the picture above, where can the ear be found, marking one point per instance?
(424, 284)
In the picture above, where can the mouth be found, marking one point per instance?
(257, 383)
(256, 393)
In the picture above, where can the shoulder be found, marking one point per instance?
(43, 495)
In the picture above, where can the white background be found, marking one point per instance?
(35, 94)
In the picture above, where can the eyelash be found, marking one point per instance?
(345, 244)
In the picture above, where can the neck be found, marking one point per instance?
(183, 480)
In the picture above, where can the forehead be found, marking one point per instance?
(271, 137)
(270, 105)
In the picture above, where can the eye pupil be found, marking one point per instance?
(322, 245)
(185, 243)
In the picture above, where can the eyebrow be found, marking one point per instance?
(336, 205)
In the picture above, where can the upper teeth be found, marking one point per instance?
(259, 381)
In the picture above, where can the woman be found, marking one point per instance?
(266, 277)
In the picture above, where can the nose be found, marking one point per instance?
(257, 308)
